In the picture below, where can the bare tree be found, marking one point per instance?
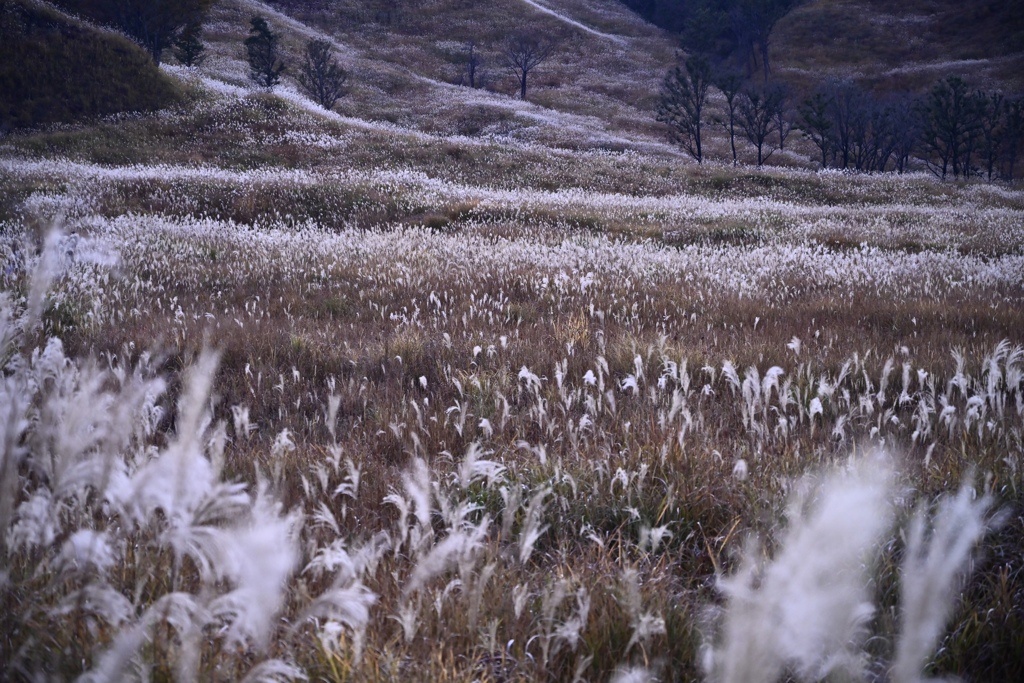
(846, 101)
(730, 82)
(321, 75)
(816, 124)
(758, 109)
(906, 127)
(884, 136)
(524, 53)
(862, 133)
(682, 104)
(473, 62)
(783, 115)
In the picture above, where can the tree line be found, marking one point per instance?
(162, 26)
(176, 25)
(954, 130)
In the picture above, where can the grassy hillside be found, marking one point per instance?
(57, 69)
(897, 46)
(604, 73)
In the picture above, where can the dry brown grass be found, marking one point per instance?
(612, 398)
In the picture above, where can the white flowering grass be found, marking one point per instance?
(806, 611)
(509, 459)
(85, 494)
(485, 409)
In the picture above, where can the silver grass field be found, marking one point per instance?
(381, 401)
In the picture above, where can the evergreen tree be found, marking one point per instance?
(189, 48)
(261, 46)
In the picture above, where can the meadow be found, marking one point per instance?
(291, 396)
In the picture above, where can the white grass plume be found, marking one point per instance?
(274, 671)
(532, 528)
(934, 566)
(259, 558)
(459, 549)
(644, 624)
(805, 611)
(347, 605)
(416, 482)
(474, 467)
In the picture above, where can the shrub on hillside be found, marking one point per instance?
(76, 71)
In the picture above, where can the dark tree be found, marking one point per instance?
(783, 115)
(992, 128)
(320, 75)
(758, 111)
(950, 127)
(681, 106)
(524, 53)
(847, 104)
(753, 23)
(906, 126)
(873, 131)
(189, 48)
(703, 31)
(862, 138)
(1014, 135)
(261, 46)
(730, 83)
(762, 16)
(154, 24)
(473, 63)
(386, 12)
(737, 31)
(884, 135)
(814, 122)
(670, 15)
(53, 69)
(855, 130)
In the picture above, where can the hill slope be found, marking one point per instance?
(600, 82)
(54, 68)
(904, 45)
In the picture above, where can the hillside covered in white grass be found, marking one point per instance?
(445, 385)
